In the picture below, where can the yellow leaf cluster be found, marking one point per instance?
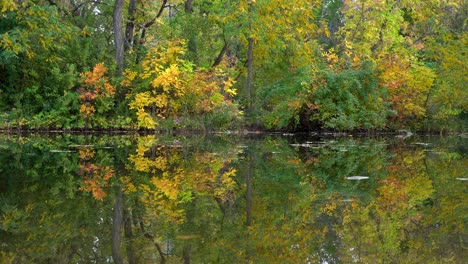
(407, 82)
(129, 76)
(167, 186)
(87, 110)
(170, 80)
(8, 5)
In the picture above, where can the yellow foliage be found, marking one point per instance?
(8, 5)
(175, 87)
(129, 76)
(87, 110)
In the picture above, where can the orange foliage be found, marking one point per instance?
(95, 85)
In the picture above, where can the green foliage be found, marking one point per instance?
(283, 101)
(38, 77)
(349, 99)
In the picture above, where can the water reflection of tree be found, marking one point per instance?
(49, 219)
(403, 222)
(205, 200)
(166, 180)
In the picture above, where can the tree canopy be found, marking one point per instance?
(214, 65)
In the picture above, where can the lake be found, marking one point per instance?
(225, 198)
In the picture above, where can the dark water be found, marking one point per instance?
(232, 199)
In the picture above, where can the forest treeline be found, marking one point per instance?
(217, 65)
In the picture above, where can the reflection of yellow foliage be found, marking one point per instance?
(175, 181)
(86, 153)
(128, 186)
(329, 208)
(145, 164)
(93, 186)
(167, 186)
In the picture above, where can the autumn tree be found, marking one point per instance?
(176, 89)
(95, 95)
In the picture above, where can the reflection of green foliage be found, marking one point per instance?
(301, 207)
(337, 160)
(45, 217)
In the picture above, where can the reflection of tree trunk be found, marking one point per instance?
(64, 255)
(117, 221)
(129, 236)
(248, 206)
(248, 192)
(151, 238)
(186, 253)
(188, 6)
(221, 205)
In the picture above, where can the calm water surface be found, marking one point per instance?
(232, 199)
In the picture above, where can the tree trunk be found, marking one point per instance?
(250, 73)
(250, 62)
(220, 56)
(130, 28)
(118, 35)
